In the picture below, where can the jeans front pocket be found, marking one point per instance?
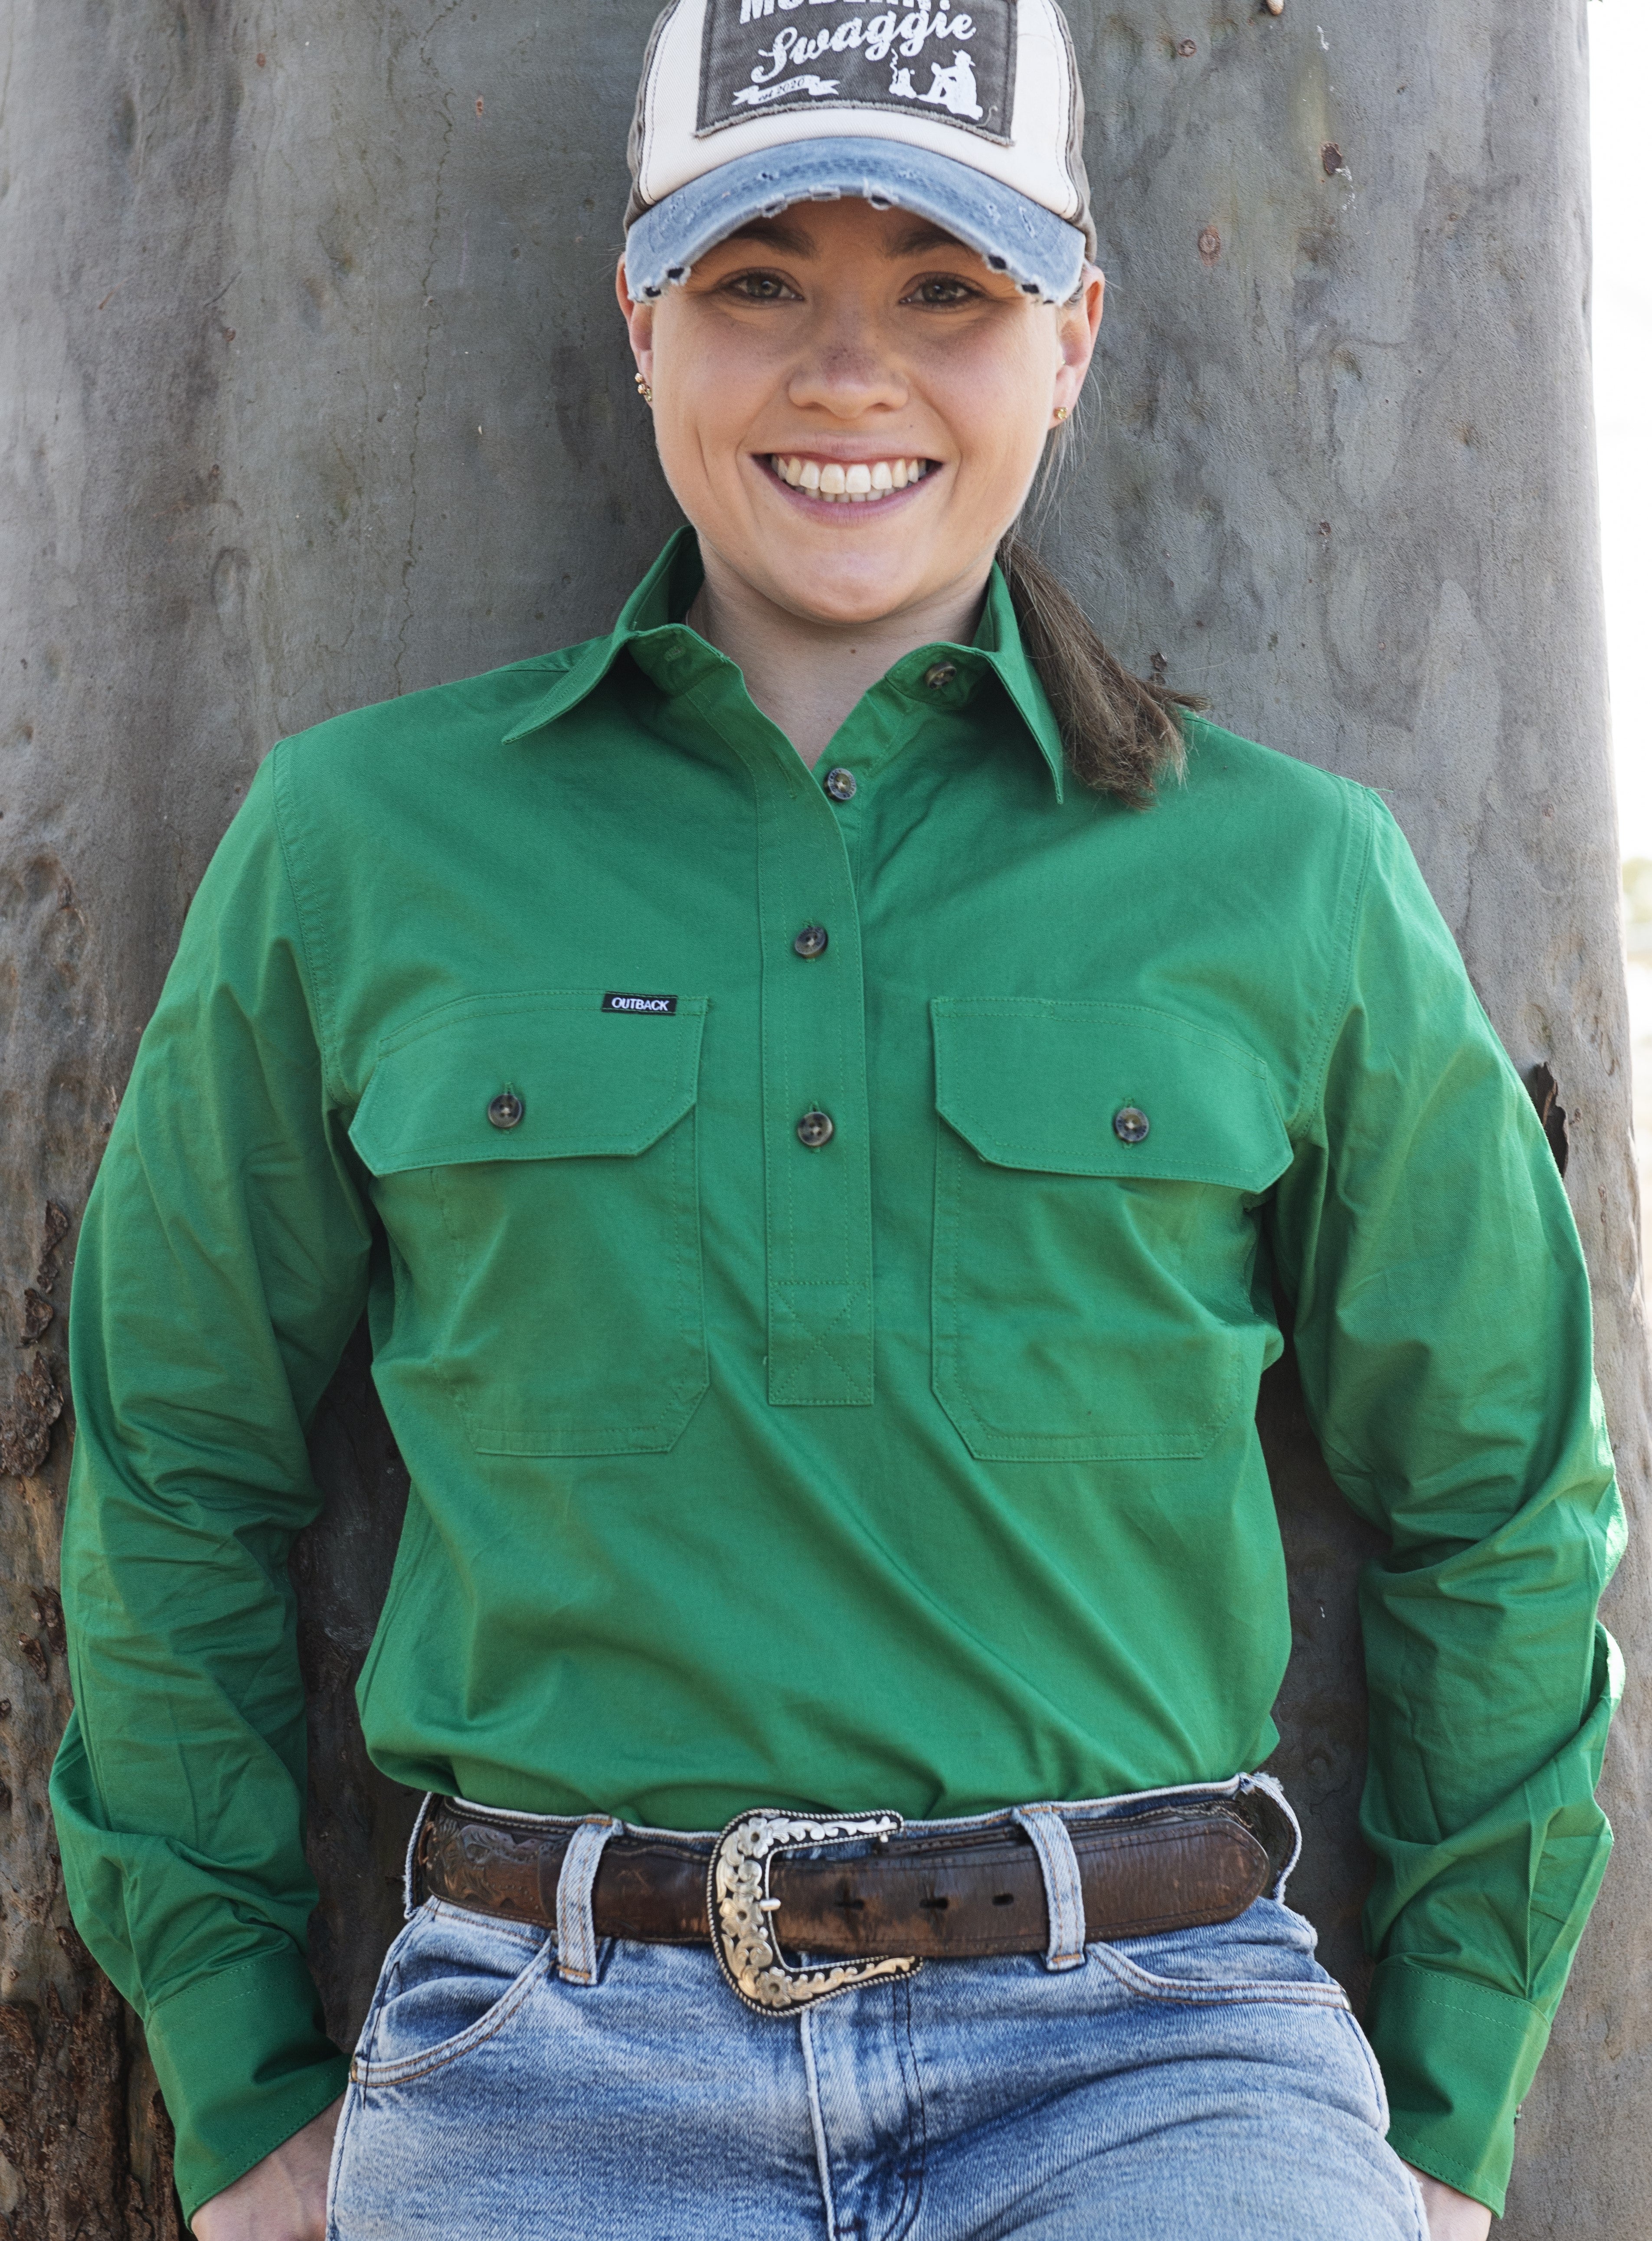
(451, 1982)
(534, 1163)
(1099, 1168)
(1264, 1954)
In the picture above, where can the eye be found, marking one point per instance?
(760, 288)
(939, 291)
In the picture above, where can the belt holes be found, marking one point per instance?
(936, 1905)
(852, 1905)
(1005, 1899)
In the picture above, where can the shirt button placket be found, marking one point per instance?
(817, 1167)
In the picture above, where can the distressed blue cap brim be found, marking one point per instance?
(1042, 253)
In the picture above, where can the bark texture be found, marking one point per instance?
(311, 393)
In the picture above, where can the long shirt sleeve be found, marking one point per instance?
(1444, 1338)
(221, 1266)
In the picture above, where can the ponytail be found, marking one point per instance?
(1121, 732)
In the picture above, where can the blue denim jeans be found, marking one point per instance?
(1204, 2082)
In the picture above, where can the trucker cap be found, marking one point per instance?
(971, 117)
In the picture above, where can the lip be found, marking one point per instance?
(891, 503)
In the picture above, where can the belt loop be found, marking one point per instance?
(409, 1867)
(1063, 1891)
(576, 1932)
(1271, 1788)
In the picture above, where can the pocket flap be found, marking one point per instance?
(1037, 1082)
(589, 1081)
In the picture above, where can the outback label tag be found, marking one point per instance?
(613, 1003)
(956, 65)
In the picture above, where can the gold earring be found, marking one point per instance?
(643, 389)
(1061, 412)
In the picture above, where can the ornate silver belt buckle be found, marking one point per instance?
(741, 1911)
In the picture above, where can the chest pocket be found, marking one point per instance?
(548, 1271)
(1093, 1296)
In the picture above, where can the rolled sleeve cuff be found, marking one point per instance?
(243, 2063)
(1457, 2058)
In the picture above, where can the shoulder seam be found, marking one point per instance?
(316, 957)
(1359, 800)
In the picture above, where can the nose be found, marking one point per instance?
(846, 373)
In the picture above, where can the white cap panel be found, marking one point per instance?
(1034, 161)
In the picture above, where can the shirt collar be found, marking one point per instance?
(652, 618)
(998, 637)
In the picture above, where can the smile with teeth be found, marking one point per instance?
(863, 483)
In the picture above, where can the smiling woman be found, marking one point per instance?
(851, 406)
(821, 1179)
(893, 367)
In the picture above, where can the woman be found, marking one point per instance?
(814, 1090)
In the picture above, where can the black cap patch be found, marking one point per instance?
(956, 65)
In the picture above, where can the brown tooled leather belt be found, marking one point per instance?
(927, 1893)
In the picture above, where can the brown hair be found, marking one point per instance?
(1121, 733)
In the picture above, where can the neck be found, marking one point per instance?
(807, 675)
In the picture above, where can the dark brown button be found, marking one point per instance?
(1130, 1124)
(811, 941)
(840, 783)
(941, 674)
(505, 1110)
(814, 1129)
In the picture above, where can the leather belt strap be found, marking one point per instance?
(941, 1894)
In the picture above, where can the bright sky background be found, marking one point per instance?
(1621, 82)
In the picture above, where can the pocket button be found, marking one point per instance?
(505, 1110)
(1130, 1124)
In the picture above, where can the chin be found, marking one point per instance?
(842, 596)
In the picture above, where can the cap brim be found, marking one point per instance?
(1042, 253)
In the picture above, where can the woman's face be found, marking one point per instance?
(850, 407)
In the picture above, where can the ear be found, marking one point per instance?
(1077, 323)
(639, 324)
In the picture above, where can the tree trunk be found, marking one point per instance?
(314, 394)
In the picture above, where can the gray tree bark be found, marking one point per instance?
(311, 393)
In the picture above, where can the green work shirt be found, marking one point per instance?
(916, 1468)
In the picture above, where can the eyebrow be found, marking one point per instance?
(775, 233)
(793, 240)
(924, 235)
